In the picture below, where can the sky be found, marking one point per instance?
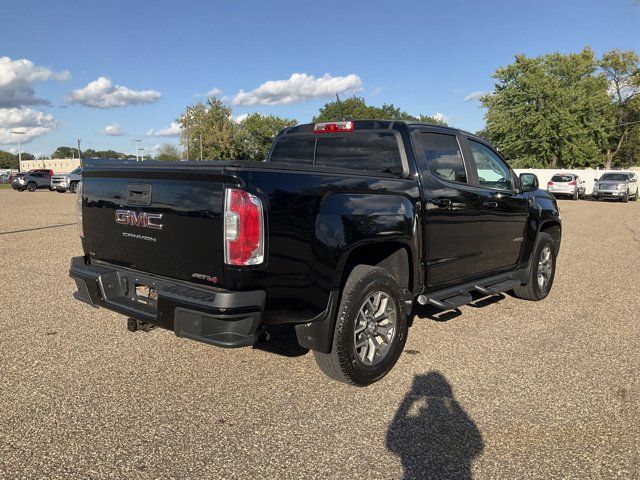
(109, 73)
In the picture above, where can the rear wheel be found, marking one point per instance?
(32, 186)
(576, 194)
(371, 328)
(542, 271)
(61, 191)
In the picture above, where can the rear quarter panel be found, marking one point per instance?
(314, 220)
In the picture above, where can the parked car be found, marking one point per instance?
(31, 181)
(67, 181)
(338, 232)
(568, 185)
(617, 185)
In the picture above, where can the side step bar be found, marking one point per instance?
(454, 297)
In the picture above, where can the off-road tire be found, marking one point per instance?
(343, 363)
(532, 291)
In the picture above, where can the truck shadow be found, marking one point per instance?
(282, 341)
(433, 313)
(432, 434)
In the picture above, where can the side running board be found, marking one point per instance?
(454, 297)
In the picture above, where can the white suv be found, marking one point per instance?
(567, 184)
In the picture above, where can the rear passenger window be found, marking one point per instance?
(443, 157)
(364, 150)
(360, 151)
(296, 149)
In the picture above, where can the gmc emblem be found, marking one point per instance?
(141, 219)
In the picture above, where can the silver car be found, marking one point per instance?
(66, 181)
(617, 185)
(568, 185)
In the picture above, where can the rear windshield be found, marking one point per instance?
(561, 178)
(365, 150)
(619, 177)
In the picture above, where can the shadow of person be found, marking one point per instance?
(432, 434)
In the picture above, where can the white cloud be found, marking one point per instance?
(33, 123)
(172, 130)
(299, 87)
(440, 116)
(17, 78)
(474, 95)
(101, 93)
(240, 117)
(113, 130)
(214, 92)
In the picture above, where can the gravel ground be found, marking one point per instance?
(507, 389)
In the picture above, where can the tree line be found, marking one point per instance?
(573, 110)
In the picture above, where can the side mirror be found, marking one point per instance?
(528, 182)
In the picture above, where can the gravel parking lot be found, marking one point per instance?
(505, 389)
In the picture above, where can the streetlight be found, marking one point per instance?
(19, 133)
(142, 154)
(137, 141)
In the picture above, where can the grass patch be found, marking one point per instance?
(5, 185)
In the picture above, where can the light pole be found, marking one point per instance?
(19, 134)
(137, 141)
(142, 149)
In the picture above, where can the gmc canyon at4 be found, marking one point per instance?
(340, 231)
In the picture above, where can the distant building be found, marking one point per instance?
(58, 165)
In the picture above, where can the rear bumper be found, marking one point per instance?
(218, 317)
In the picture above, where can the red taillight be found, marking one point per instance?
(333, 127)
(549, 184)
(573, 182)
(243, 228)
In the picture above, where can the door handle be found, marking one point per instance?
(441, 202)
(490, 204)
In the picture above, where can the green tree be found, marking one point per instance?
(65, 152)
(257, 132)
(549, 111)
(8, 160)
(622, 70)
(209, 125)
(168, 152)
(356, 108)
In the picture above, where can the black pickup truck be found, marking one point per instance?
(341, 231)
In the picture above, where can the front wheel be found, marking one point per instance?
(371, 328)
(542, 270)
(625, 199)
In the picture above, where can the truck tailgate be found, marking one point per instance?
(164, 220)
